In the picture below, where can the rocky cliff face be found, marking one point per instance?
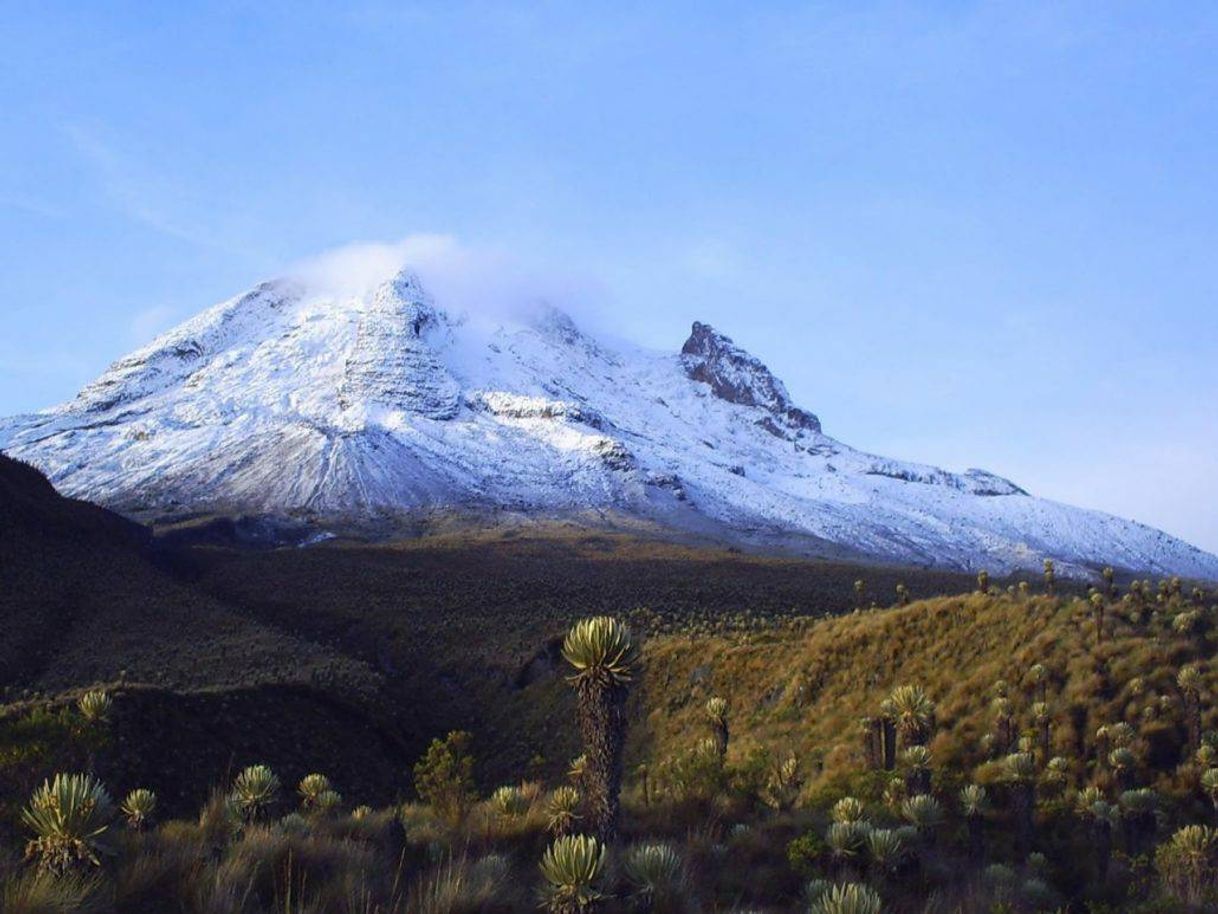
(737, 377)
(363, 412)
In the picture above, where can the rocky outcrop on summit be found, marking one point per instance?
(737, 377)
(361, 412)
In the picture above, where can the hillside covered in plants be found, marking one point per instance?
(1011, 749)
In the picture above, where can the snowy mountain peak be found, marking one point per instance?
(405, 286)
(364, 407)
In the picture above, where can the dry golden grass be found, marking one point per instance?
(805, 688)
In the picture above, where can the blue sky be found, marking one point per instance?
(976, 234)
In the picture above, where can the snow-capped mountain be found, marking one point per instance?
(361, 411)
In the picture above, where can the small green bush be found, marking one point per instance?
(444, 776)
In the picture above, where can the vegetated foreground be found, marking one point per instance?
(286, 730)
(1010, 749)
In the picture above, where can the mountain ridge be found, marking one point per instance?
(363, 410)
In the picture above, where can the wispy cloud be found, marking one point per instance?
(477, 281)
(139, 192)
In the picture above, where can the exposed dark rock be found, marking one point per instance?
(736, 376)
(671, 482)
(614, 454)
(975, 482)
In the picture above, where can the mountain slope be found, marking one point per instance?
(357, 412)
(84, 598)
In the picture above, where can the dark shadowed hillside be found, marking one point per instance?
(85, 598)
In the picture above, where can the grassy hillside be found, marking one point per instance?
(464, 630)
(804, 686)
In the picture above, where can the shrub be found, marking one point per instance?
(806, 853)
(1209, 784)
(138, 808)
(562, 810)
(923, 812)
(845, 840)
(311, 787)
(783, 784)
(849, 898)
(1036, 894)
(886, 848)
(572, 867)
(848, 809)
(294, 824)
(973, 800)
(95, 706)
(916, 761)
(1001, 880)
(654, 872)
(1188, 863)
(444, 776)
(815, 890)
(1057, 773)
(70, 817)
(327, 801)
(510, 802)
(1123, 763)
(255, 789)
(913, 712)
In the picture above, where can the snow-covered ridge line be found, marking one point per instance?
(361, 410)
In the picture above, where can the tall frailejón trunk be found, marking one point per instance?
(721, 735)
(872, 730)
(976, 839)
(1024, 807)
(602, 723)
(890, 744)
(1103, 850)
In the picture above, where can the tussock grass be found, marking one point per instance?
(806, 686)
